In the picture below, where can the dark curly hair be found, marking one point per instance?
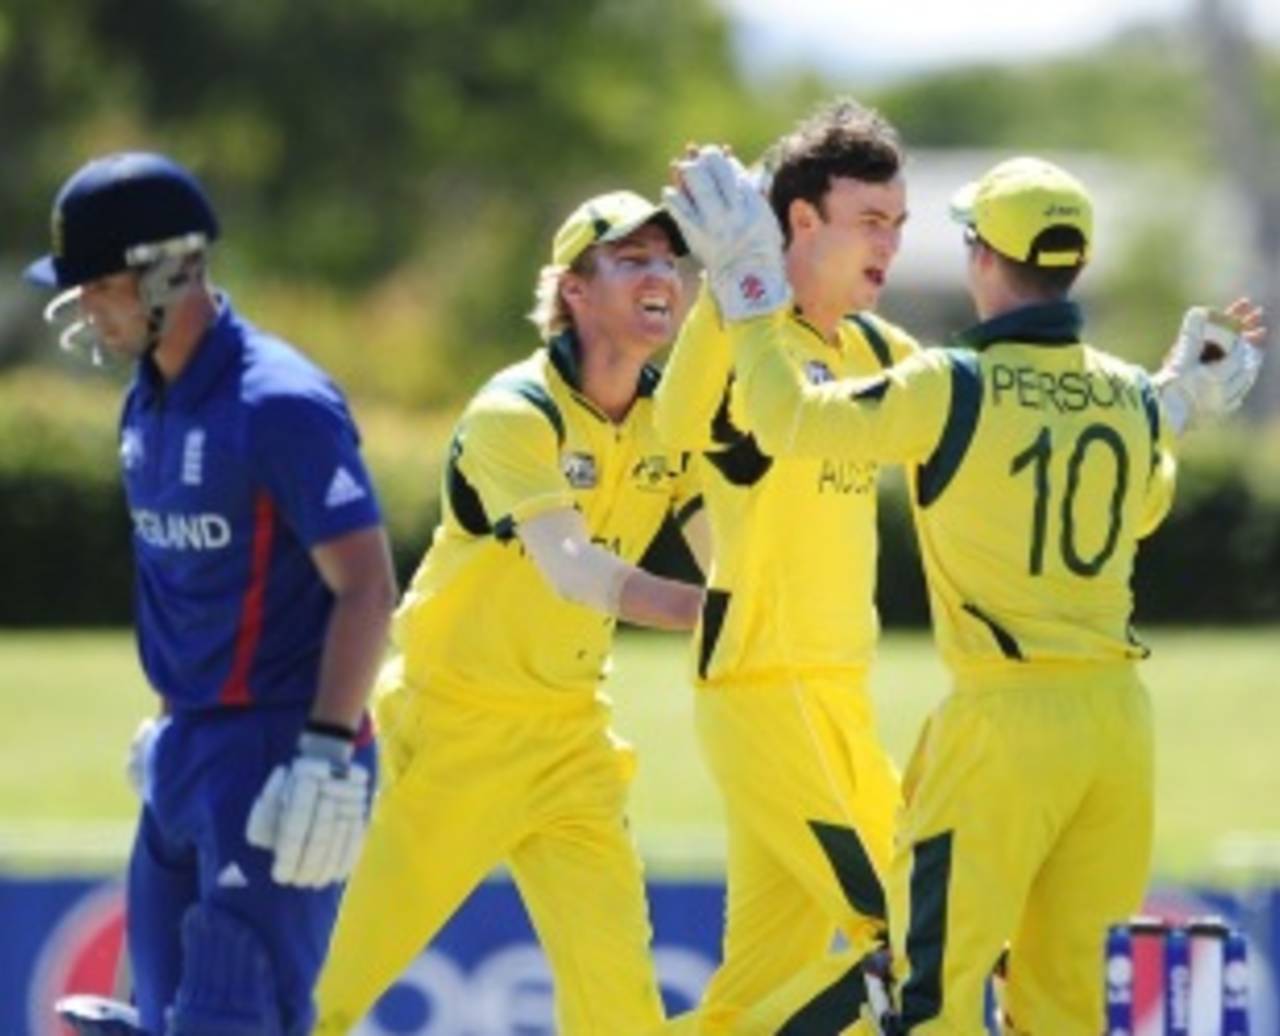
(842, 138)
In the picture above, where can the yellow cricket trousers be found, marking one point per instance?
(537, 784)
(1027, 819)
(809, 799)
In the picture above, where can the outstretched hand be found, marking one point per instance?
(1213, 364)
(730, 227)
(1248, 319)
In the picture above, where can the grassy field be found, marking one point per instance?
(72, 700)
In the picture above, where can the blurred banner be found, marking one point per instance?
(484, 975)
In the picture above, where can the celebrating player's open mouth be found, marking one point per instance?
(633, 289)
(656, 305)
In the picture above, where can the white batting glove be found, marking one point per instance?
(138, 764)
(312, 813)
(1209, 370)
(730, 227)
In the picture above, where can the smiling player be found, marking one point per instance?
(496, 739)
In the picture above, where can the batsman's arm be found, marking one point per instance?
(311, 810)
(297, 440)
(357, 569)
(893, 417)
(584, 572)
(695, 378)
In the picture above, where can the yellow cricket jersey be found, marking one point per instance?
(792, 581)
(479, 617)
(1038, 463)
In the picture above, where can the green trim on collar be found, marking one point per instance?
(1042, 323)
(647, 384)
(566, 357)
(564, 352)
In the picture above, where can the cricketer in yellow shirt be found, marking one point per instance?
(1037, 462)
(496, 740)
(789, 627)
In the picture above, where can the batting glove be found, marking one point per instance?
(138, 764)
(730, 227)
(1209, 370)
(312, 813)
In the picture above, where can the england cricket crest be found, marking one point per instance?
(818, 373)
(193, 457)
(579, 469)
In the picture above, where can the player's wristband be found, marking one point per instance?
(331, 742)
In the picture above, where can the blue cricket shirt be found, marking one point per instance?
(232, 472)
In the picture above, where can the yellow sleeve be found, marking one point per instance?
(893, 417)
(510, 453)
(695, 378)
(686, 488)
(1160, 486)
(901, 344)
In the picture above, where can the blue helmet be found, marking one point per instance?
(121, 212)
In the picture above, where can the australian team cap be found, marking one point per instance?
(610, 217)
(1029, 210)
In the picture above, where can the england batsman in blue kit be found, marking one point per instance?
(263, 591)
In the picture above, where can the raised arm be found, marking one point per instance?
(730, 226)
(357, 569)
(894, 416)
(695, 378)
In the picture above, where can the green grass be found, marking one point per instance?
(73, 698)
(1217, 708)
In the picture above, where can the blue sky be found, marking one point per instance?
(862, 40)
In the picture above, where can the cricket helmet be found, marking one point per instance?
(123, 211)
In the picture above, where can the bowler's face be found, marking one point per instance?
(114, 310)
(859, 235)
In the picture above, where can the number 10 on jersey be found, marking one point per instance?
(1037, 457)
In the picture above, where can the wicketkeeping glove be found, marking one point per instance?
(312, 813)
(1209, 370)
(730, 227)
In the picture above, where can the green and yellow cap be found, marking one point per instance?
(610, 217)
(1029, 210)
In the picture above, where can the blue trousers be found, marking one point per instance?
(206, 770)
